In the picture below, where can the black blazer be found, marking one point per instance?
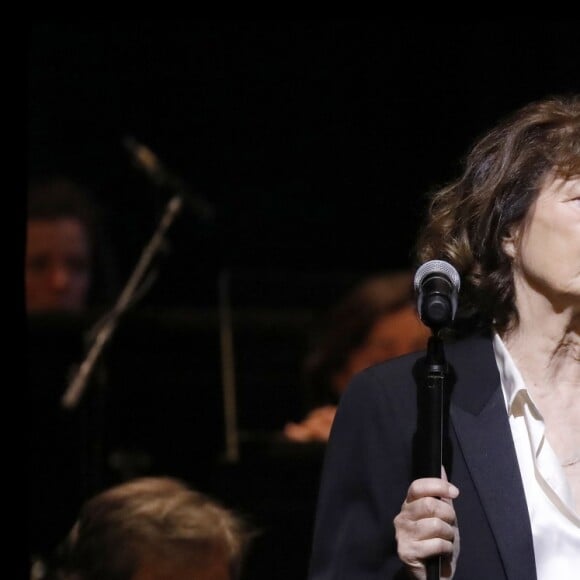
(369, 465)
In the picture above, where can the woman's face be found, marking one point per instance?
(546, 249)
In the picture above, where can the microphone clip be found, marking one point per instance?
(149, 163)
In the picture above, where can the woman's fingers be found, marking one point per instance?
(429, 507)
(431, 486)
(426, 525)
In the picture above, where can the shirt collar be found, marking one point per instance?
(512, 381)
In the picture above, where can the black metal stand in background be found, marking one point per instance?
(101, 333)
(436, 367)
(92, 413)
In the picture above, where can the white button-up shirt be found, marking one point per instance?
(555, 523)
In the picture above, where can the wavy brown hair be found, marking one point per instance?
(119, 528)
(502, 177)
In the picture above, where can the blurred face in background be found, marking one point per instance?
(57, 265)
(394, 334)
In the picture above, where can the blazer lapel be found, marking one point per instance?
(480, 422)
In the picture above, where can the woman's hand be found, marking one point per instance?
(426, 527)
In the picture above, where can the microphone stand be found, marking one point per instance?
(104, 328)
(232, 445)
(436, 373)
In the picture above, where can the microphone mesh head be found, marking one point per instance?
(437, 267)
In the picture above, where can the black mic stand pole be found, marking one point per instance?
(105, 327)
(436, 372)
(232, 445)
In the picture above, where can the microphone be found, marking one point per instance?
(149, 163)
(437, 286)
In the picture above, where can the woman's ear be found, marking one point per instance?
(509, 243)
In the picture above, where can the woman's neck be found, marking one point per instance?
(545, 345)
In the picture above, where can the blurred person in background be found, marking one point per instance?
(68, 264)
(375, 321)
(69, 274)
(154, 528)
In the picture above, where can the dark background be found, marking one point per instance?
(316, 141)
